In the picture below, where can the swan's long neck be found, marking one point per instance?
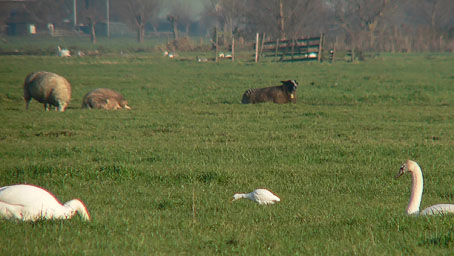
(73, 206)
(416, 190)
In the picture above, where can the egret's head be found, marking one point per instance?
(236, 197)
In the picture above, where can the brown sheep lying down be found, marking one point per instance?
(47, 88)
(103, 98)
(284, 93)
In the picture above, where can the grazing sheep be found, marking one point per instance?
(284, 93)
(103, 98)
(47, 88)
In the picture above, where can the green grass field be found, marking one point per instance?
(158, 179)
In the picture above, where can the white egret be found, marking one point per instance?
(260, 196)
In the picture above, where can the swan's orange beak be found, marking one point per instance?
(401, 171)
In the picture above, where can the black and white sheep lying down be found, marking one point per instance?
(103, 98)
(284, 93)
(47, 88)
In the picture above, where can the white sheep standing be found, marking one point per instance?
(47, 88)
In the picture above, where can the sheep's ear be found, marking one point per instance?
(284, 81)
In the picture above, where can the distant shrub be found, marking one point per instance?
(182, 44)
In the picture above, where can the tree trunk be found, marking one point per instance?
(432, 16)
(92, 31)
(281, 20)
(188, 26)
(175, 30)
(225, 34)
(140, 32)
(174, 21)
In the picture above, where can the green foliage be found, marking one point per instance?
(159, 179)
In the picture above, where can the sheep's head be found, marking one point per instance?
(124, 104)
(291, 86)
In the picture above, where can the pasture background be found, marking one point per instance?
(331, 157)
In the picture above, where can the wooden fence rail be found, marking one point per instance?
(298, 49)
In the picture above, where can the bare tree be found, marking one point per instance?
(137, 13)
(286, 18)
(230, 15)
(227, 15)
(179, 14)
(357, 17)
(275, 18)
(173, 19)
(42, 12)
(434, 13)
(434, 20)
(281, 20)
(92, 12)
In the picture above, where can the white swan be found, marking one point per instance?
(63, 52)
(29, 202)
(416, 192)
(261, 196)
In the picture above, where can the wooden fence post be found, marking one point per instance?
(320, 47)
(293, 47)
(334, 53)
(277, 47)
(233, 48)
(261, 47)
(217, 45)
(257, 48)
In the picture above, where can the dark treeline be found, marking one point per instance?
(370, 25)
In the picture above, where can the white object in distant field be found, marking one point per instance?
(312, 55)
(260, 196)
(63, 52)
(201, 59)
(171, 55)
(416, 192)
(29, 202)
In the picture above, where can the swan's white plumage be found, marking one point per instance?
(438, 209)
(28, 202)
(261, 196)
(416, 192)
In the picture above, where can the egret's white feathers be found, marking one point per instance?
(260, 196)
